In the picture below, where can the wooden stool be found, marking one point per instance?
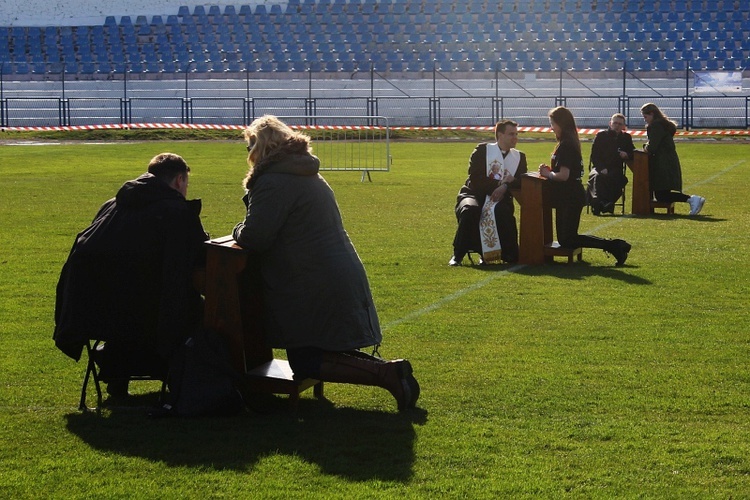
(668, 206)
(552, 250)
(275, 377)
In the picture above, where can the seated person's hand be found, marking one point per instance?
(498, 193)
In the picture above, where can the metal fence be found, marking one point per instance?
(462, 104)
(691, 112)
(350, 143)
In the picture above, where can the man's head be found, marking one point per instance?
(617, 122)
(171, 169)
(506, 133)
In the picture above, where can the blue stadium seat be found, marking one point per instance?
(679, 65)
(729, 65)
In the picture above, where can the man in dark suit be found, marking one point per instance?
(611, 149)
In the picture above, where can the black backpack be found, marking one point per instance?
(201, 380)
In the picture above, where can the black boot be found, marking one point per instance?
(619, 249)
(362, 369)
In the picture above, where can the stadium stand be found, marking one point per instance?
(396, 36)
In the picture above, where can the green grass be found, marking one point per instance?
(586, 380)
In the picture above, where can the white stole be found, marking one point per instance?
(497, 168)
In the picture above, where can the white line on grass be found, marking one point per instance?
(479, 284)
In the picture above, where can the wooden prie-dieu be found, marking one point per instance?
(537, 245)
(234, 310)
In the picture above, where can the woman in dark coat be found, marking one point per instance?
(665, 173)
(318, 304)
(566, 191)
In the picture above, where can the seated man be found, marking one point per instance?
(611, 149)
(128, 277)
(494, 169)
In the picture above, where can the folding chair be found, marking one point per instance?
(620, 202)
(93, 371)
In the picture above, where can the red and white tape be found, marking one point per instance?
(159, 126)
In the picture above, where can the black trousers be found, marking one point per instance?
(468, 213)
(668, 196)
(567, 220)
(605, 189)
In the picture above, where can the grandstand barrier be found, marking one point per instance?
(703, 112)
(348, 143)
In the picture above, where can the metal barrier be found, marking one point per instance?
(421, 111)
(348, 143)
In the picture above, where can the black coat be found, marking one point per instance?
(128, 278)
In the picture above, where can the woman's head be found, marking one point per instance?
(652, 112)
(267, 135)
(563, 124)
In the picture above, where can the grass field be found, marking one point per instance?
(585, 380)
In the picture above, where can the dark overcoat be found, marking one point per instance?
(128, 277)
(665, 173)
(315, 289)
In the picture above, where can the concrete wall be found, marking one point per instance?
(94, 12)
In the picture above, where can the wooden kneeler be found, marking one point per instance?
(666, 205)
(233, 309)
(537, 246)
(552, 250)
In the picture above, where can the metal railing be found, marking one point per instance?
(227, 103)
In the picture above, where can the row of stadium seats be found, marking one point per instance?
(254, 40)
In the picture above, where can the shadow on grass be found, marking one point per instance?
(696, 218)
(582, 270)
(355, 444)
(561, 269)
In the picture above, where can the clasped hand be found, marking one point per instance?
(544, 170)
(499, 192)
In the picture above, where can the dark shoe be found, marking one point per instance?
(411, 382)
(455, 261)
(608, 208)
(619, 250)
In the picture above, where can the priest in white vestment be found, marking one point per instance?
(484, 206)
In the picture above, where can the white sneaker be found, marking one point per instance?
(696, 204)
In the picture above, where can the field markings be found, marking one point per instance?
(501, 274)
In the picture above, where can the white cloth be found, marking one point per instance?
(497, 168)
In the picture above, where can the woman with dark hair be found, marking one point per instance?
(317, 300)
(566, 191)
(665, 172)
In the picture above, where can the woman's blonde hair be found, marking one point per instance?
(266, 137)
